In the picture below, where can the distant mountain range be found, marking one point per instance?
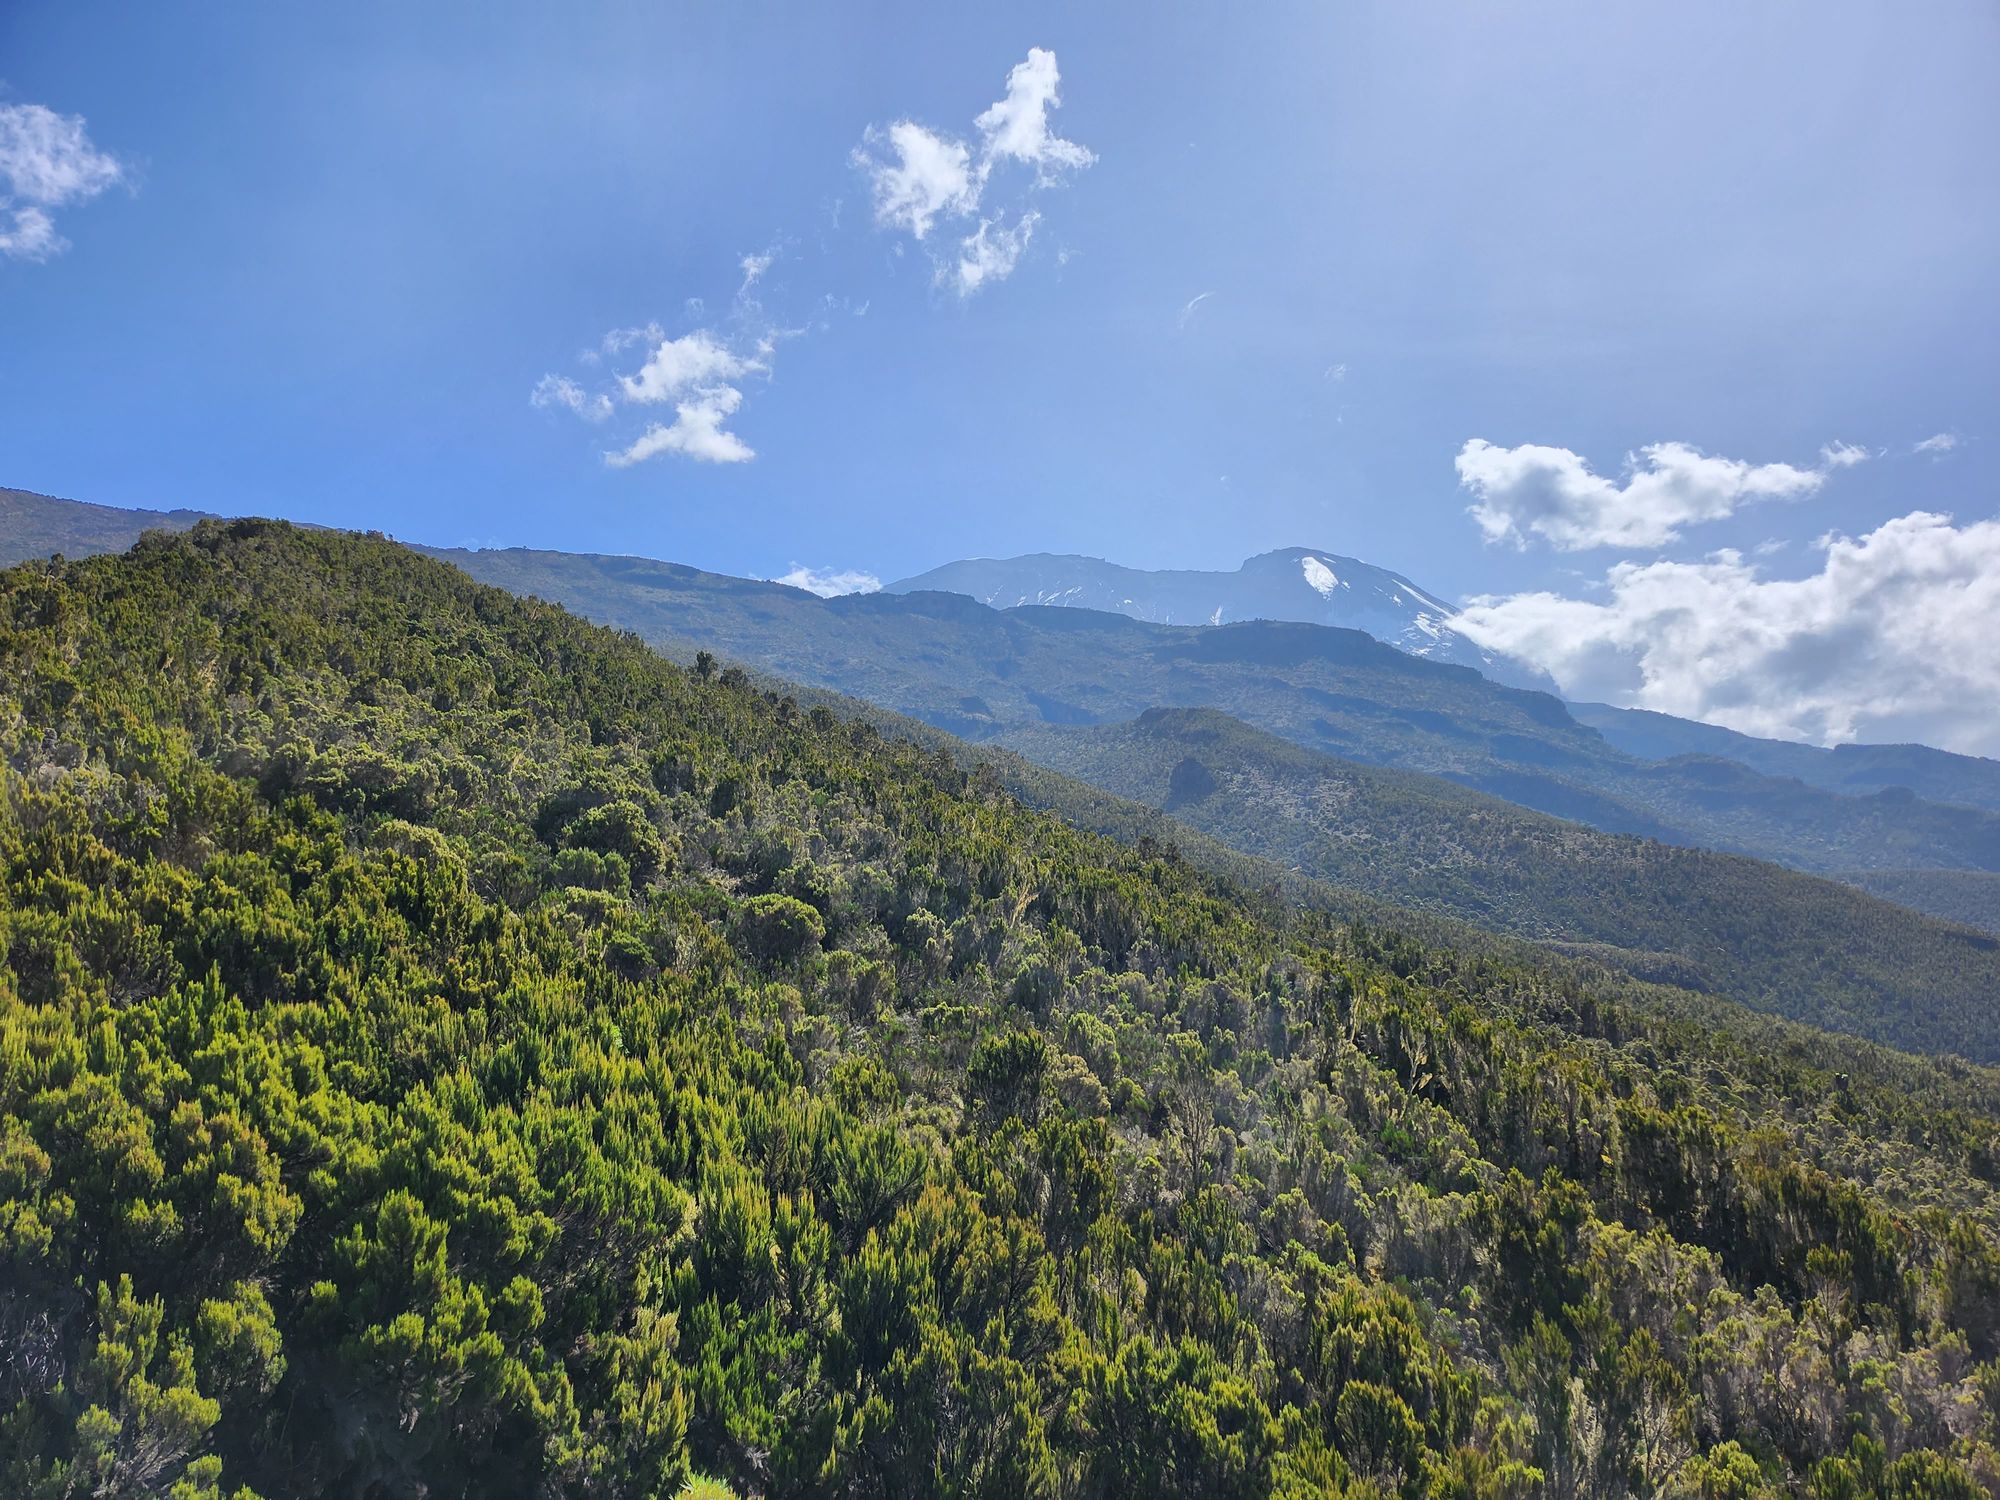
(1918, 826)
(1294, 583)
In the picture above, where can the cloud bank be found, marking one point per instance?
(1892, 640)
(919, 176)
(1533, 491)
(46, 162)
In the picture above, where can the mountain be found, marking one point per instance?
(1853, 770)
(980, 673)
(448, 1049)
(1294, 583)
(1769, 937)
(34, 525)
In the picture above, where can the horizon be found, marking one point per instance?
(1597, 323)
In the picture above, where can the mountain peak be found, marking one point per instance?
(1310, 585)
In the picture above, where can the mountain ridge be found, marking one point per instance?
(1304, 584)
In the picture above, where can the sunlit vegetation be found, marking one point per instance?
(446, 1049)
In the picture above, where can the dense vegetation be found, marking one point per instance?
(1969, 897)
(1770, 937)
(981, 673)
(446, 1049)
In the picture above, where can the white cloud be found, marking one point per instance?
(921, 176)
(991, 252)
(754, 267)
(46, 161)
(1187, 309)
(618, 340)
(1551, 493)
(826, 583)
(1838, 455)
(931, 176)
(560, 390)
(1937, 445)
(699, 372)
(32, 235)
(1017, 127)
(1892, 640)
(696, 432)
(679, 365)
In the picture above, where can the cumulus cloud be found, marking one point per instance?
(828, 582)
(1891, 640)
(1937, 445)
(930, 176)
(695, 432)
(1552, 493)
(676, 366)
(701, 373)
(1016, 128)
(46, 162)
(919, 176)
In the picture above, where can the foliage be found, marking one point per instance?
(379, 1114)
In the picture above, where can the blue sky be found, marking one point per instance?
(344, 249)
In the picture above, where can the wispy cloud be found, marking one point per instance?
(1534, 491)
(831, 581)
(1937, 445)
(46, 162)
(1187, 309)
(754, 267)
(560, 390)
(920, 177)
(992, 251)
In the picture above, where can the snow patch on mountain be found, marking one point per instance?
(1295, 583)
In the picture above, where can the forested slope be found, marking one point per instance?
(1772, 938)
(979, 672)
(446, 1049)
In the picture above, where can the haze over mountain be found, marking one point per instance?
(1293, 583)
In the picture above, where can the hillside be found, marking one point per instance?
(34, 525)
(446, 1049)
(982, 673)
(979, 672)
(1769, 937)
(1857, 770)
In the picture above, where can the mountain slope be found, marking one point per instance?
(446, 1049)
(978, 672)
(1855, 770)
(1811, 949)
(34, 525)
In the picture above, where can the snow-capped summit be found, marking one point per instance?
(1293, 583)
